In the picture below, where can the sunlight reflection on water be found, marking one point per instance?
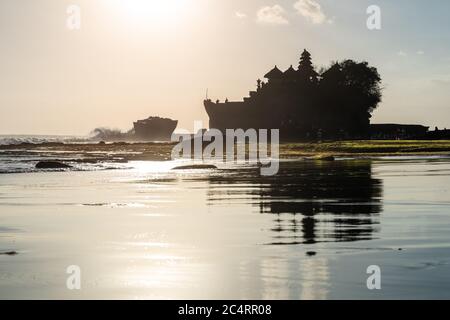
(307, 233)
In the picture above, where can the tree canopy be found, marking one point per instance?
(350, 91)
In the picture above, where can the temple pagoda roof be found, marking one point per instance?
(275, 73)
(290, 73)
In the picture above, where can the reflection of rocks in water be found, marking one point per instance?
(313, 201)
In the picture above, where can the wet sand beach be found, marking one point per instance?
(142, 230)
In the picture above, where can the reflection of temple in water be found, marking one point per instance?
(312, 201)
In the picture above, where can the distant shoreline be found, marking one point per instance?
(363, 148)
(148, 151)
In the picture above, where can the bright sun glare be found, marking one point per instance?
(153, 11)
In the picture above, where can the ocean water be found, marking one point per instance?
(18, 139)
(17, 157)
(311, 232)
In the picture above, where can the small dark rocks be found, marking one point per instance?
(9, 253)
(324, 157)
(196, 167)
(52, 165)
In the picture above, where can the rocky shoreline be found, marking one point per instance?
(101, 156)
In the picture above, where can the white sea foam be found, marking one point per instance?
(36, 139)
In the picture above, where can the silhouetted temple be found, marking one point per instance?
(304, 104)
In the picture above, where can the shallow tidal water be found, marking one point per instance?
(148, 232)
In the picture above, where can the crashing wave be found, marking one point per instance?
(34, 139)
(108, 134)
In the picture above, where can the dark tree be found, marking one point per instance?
(350, 91)
(331, 99)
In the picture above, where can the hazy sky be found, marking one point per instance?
(136, 58)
